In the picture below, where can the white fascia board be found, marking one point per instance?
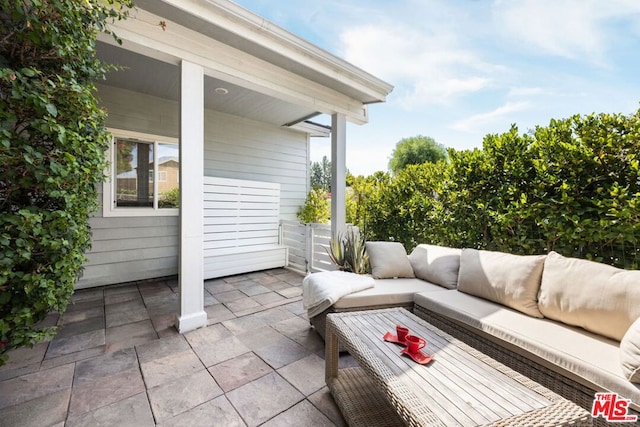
(141, 33)
(248, 25)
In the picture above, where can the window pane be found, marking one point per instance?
(168, 176)
(134, 174)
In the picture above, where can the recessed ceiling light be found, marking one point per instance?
(221, 90)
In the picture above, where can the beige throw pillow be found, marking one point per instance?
(436, 264)
(597, 297)
(388, 260)
(511, 280)
(630, 353)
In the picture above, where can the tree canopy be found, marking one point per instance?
(415, 151)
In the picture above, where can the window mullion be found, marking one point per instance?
(155, 175)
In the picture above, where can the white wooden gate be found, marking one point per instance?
(241, 227)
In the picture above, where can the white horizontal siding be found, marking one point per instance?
(137, 248)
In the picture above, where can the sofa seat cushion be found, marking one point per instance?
(590, 359)
(387, 292)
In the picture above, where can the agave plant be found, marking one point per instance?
(347, 251)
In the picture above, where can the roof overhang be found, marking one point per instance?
(271, 74)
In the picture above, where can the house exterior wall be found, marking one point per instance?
(136, 248)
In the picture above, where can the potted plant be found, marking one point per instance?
(347, 251)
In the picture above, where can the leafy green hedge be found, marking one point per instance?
(572, 186)
(52, 142)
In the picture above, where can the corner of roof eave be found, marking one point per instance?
(246, 24)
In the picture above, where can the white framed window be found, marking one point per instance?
(142, 175)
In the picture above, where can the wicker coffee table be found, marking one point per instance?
(461, 386)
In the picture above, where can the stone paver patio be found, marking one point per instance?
(118, 361)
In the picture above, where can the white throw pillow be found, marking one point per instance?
(511, 280)
(436, 264)
(630, 353)
(388, 260)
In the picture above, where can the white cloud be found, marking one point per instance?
(426, 68)
(477, 122)
(575, 29)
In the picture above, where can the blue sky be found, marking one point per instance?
(466, 68)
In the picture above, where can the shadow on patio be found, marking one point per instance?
(118, 360)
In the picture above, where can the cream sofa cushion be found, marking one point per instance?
(436, 264)
(387, 292)
(597, 297)
(511, 280)
(630, 353)
(388, 260)
(585, 357)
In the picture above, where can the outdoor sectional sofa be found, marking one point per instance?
(571, 325)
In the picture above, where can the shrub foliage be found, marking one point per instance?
(52, 142)
(572, 186)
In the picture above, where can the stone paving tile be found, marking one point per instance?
(274, 315)
(35, 385)
(244, 324)
(301, 332)
(80, 315)
(218, 313)
(209, 299)
(268, 298)
(164, 324)
(129, 335)
(230, 296)
(306, 374)
(169, 368)
(80, 327)
(239, 371)
(290, 292)
(242, 304)
(277, 285)
(122, 318)
(296, 307)
(323, 400)
(106, 365)
(215, 344)
(120, 298)
(72, 357)
(216, 412)
(84, 305)
(123, 307)
(87, 294)
(181, 395)
(75, 343)
(105, 390)
(237, 278)
(252, 288)
(218, 286)
(24, 356)
(273, 347)
(264, 398)
(162, 348)
(44, 411)
(302, 411)
(131, 412)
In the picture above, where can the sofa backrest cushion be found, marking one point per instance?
(436, 264)
(630, 352)
(594, 296)
(511, 280)
(388, 260)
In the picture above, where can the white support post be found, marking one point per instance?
(338, 173)
(191, 313)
